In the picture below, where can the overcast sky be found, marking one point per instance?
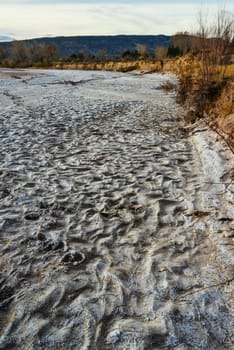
(36, 18)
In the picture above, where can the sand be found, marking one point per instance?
(116, 218)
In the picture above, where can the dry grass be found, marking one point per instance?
(230, 71)
(117, 66)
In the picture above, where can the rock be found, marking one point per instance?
(73, 257)
(32, 215)
(52, 244)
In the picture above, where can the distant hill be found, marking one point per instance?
(113, 45)
(5, 38)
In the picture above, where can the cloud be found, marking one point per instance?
(133, 2)
(33, 19)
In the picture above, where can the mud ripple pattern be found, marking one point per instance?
(114, 232)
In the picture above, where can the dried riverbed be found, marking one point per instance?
(116, 223)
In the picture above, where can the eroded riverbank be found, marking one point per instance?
(116, 224)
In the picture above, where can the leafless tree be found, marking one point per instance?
(19, 52)
(160, 52)
(142, 50)
(3, 54)
(211, 44)
(101, 55)
(49, 53)
(184, 41)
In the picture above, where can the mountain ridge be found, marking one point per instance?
(113, 45)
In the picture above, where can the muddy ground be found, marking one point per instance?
(116, 218)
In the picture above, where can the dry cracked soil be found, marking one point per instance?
(116, 218)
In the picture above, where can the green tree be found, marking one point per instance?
(130, 55)
(173, 51)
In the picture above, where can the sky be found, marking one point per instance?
(37, 18)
